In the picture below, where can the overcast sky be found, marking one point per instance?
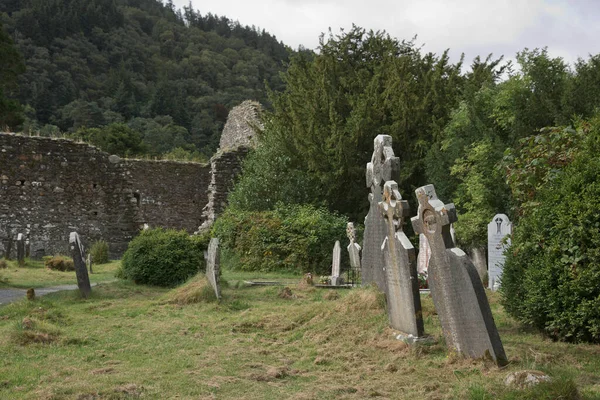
(569, 28)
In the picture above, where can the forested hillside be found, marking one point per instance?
(154, 77)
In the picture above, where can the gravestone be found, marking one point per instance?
(498, 229)
(458, 294)
(424, 255)
(213, 266)
(336, 280)
(78, 254)
(403, 298)
(384, 166)
(353, 249)
(477, 255)
(27, 249)
(21, 249)
(88, 263)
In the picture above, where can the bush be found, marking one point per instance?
(161, 257)
(296, 238)
(59, 263)
(99, 252)
(551, 278)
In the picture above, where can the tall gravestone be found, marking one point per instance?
(353, 249)
(424, 255)
(499, 231)
(213, 266)
(458, 294)
(21, 250)
(335, 265)
(404, 300)
(384, 166)
(78, 254)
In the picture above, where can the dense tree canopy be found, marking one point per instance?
(92, 63)
(10, 68)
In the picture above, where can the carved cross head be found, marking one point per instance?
(433, 216)
(351, 232)
(384, 166)
(393, 208)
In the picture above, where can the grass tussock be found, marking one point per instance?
(195, 290)
(30, 331)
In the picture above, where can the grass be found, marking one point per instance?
(130, 341)
(35, 275)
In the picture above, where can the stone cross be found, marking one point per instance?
(213, 266)
(78, 254)
(21, 249)
(458, 294)
(498, 229)
(353, 248)
(335, 265)
(384, 166)
(403, 298)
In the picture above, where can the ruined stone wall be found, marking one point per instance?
(50, 187)
(170, 194)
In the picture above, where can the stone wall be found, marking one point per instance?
(50, 187)
(241, 125)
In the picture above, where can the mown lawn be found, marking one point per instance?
(130, 341)
(36, 275)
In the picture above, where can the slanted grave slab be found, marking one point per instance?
(458, 294)
(403, 298)
(213, 266)
(78, 254)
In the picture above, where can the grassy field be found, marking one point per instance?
(130, 341)
(35, 275)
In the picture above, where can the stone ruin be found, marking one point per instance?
(384, 166)
(238, 137)
(457, 291)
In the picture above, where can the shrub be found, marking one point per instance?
(99, 252)
(551, 277)
(290, 238)
(161, 257)
(3, 264)
(59, 263)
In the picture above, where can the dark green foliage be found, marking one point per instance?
(11, 67)
(551, 278)
(115, 138)
(99, 252)
(289, 238)
(161, 257)
(59, 263)
(91, 63)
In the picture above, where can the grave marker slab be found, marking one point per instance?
(384, 166)
(78, 254)
(353, 249)
(213, 266)
(335, 266)
(21, 249)
(404, 300)
(458, 294)
(498, 229)
(424, 255)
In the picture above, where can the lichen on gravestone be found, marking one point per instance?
(458, 294)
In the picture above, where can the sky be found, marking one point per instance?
(569, 28)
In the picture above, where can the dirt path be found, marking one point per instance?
(10, 295)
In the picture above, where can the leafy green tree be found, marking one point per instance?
(10, 68)
(115, 138)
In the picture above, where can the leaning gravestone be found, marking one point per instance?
(458, 294)
(213, 266)
(335, 266)
(353, 249)
(404, 300)
(424, 255)
(78, 254)
(498, 229)
(21, 250)
(384, 166)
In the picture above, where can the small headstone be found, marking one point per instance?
(88, 263)
(353, 249)
(458, 294)
(21, 249)
(78, 254)
(213, 266)
(424, 255)
(335, 266)
(384, 166)
(404, 300)
(525, 379)
(30, 294)
(498, 229)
